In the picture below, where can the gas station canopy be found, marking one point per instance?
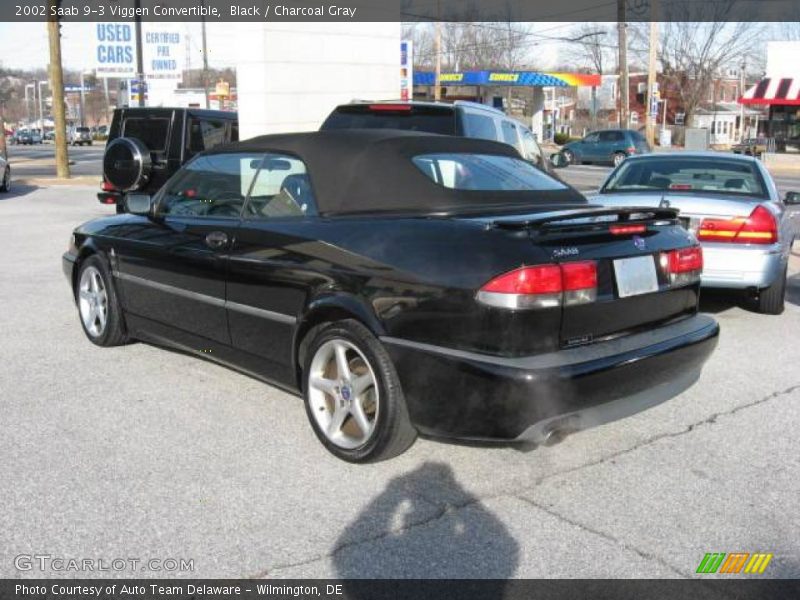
(512, 78)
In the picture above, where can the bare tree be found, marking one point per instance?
(590, 48)
(695, 48)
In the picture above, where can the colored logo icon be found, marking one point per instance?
(734, 562)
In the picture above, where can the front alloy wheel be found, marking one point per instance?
(93, 302)
(97, 302)
(353, 396)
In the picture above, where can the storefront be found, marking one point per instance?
(780, 91)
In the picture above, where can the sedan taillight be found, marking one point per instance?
(759, 228)
(542, 286)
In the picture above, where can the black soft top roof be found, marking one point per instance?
(370, 170)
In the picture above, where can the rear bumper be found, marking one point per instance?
(741, 267)
(466, 395)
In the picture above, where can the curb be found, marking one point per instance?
(79, 180)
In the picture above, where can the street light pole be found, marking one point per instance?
(83, 103)
(41, 106)
(139, 52)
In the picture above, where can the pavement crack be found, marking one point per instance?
(602, 534)
(709, 420)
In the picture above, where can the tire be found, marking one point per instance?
(94, 282)
(5, 183)
(569, 157)
(334, 403)
(771, 300)
(618, 158)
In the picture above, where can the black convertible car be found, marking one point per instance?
(403, 283)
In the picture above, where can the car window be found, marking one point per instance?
(688, 175)
(210, 186)
(479, 126)
(531, 147)
(388, 116)
(464, 171)
(281, 188)
(204, 134)
(611, 136)
(592, 138)
(152, 132)
(509, 132)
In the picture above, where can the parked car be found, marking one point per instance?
(146, 146)
(751, 146)
(468, 119)
(28, 137)
(402, 282)
(50, 136)
(5, 179)
(611, 146)
(78, 136)
(731, 204)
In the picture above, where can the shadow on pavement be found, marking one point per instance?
(793, 289)
(446, 543)
(718, 301)
(17, 190)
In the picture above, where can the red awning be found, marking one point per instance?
(773, 90)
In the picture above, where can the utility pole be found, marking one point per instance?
(205, 58)
(41, 105)
(624, 91)
(57, 89)
(139, 53)
(83, 102)
(742, 82)
(437, 84)
(651, 81)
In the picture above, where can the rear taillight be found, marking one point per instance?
(632, 150)
(390, 107)
(626, 229)
(759, 228)
(542, 286)
(684, 266)
(107, 187)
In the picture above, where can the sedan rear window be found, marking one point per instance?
(485, 172)
(695, 174)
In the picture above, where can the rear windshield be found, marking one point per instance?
(152, 132)
(424, 119)
(688, 175)
(82, 129)
(484, 172)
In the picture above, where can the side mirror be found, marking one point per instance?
(792, 198)
(558, 160)
(138, 204)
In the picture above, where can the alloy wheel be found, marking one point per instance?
(618, 158)
(93, 301)
(6, 180)
(343, 394)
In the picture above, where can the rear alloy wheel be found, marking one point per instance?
(569, 157)
(619, 158)
(771, 299)
(352, 395)
(5, 185)
(98, 307)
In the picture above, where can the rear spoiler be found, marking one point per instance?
(590, 218)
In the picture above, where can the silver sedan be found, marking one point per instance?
(731, 204)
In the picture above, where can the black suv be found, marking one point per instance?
(146, 146)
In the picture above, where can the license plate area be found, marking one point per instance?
(635, 276)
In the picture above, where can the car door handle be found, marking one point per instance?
(217, 240)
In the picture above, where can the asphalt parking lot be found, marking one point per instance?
(139, 452)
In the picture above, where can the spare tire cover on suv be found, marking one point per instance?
(127, 164)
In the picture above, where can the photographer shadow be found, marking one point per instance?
(425, 525)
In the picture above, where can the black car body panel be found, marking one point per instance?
(467, 370)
